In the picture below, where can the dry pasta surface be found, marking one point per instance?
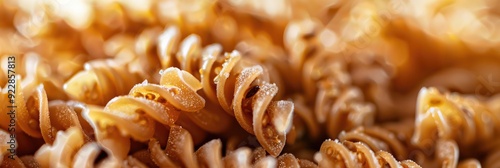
(232, 83)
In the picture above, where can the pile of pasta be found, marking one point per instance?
(263, 83)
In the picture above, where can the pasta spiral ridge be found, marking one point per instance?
(356, 154)
(100, 81)
(240, 86)
(136, 114)
(451, 116)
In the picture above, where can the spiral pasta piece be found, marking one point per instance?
(135, 115)
(191, 57)
(351, 154)
(238, 85)
(451, 116)
(100, 81)
(268, 120)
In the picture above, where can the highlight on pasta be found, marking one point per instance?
(231, 83)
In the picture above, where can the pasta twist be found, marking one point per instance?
(100, 81)
(179, 152)
(356, 154)
(136, 114)
(238, 85)
(450, 116)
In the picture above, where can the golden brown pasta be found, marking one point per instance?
(100, 81)
(298, 71)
